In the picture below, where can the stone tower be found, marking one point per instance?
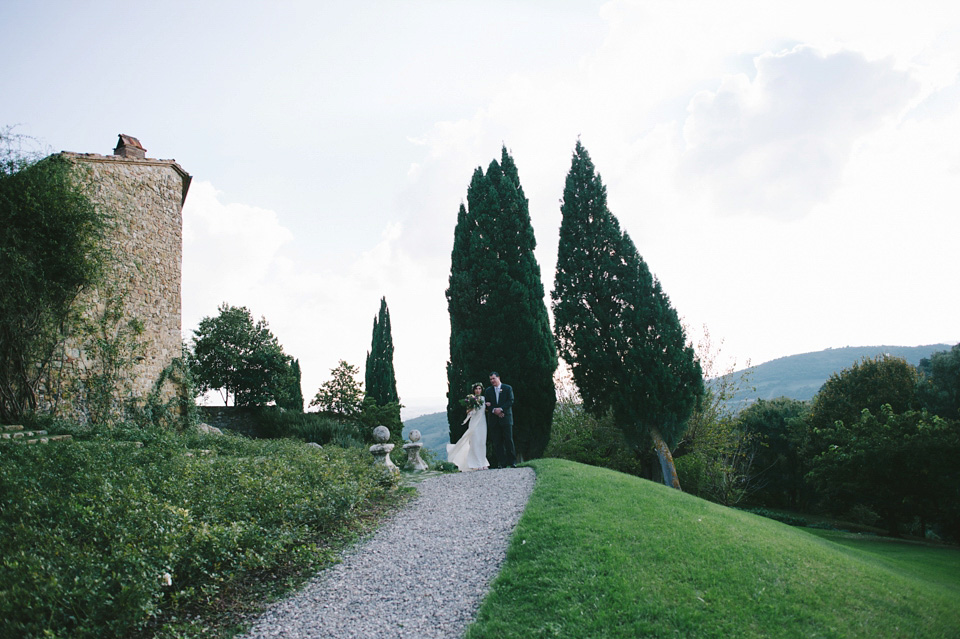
(144, 198)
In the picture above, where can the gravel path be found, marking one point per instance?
(422, 575)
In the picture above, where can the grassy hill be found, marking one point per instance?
(801, 376)
(600, 554)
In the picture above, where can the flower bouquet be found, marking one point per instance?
(470, 402)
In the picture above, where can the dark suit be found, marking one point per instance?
(500, 429)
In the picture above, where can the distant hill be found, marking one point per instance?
(434, 432)
(801, 376)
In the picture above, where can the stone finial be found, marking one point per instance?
(130, 147)
(381, 450)
(414, 462)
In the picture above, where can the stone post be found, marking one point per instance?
(381, 450)
(414, 462)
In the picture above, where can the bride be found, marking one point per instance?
(470, 453)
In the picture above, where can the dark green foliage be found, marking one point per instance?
(90, 528)
(868, 384)
(50, 251)
(614, 325)
(270, 423)
(780, 425)
(291, 395)
(379, 377)
(939, 389)
(498, 321)
(381, 406)
(786, 518)
(234, 355)
(581, 437)
(900, 466)
(373, 414)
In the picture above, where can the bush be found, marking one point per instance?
(782, 517)
(578, 436)
(101, 535)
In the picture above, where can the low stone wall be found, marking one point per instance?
(238, 419)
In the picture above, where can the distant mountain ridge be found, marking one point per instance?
(794, 376)
(801, 376)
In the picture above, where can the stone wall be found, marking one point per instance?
(144, 199)
(238, 419)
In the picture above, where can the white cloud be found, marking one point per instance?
(320, 314)
(230, 250)
(778, 143)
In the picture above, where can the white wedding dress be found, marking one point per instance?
(470, 452)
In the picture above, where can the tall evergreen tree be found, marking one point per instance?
(498, 320)
(291, 395)
(379, 377)
(615, 326)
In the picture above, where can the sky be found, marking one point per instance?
(788, 170)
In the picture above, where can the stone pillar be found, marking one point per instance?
(381, 450)
(414, 462)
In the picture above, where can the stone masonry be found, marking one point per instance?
(144, 198)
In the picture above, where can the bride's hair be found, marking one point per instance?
(476, 386)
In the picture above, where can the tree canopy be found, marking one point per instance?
(870, 383)
(498, 319)
(235, 356)
(939, 389)
(342, 394)
(900, 466)
(51, 250)
(614, 324)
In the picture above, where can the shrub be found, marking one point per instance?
(101, 535)
(578, 436)
(309, 427)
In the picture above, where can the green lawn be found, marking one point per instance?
(602, 554)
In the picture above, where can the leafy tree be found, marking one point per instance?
(615, 326)
(290, 396)
(900, 466)
(342, 394)
(715, 457)
(870, 383)
(51, 250)
(588, 439)
(780, 425)
(379, 376)
(498, 320)
(939, 389)
(234, 355)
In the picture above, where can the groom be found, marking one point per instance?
(499, 400)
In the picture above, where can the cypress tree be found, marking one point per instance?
(614, 324)
(498, 320)
(291, 395)
(379, 377)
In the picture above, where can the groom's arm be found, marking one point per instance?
(506, 398)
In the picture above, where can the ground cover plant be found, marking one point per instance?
(125, 532)
(603, 554)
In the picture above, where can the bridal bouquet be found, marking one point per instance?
(471, 402)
